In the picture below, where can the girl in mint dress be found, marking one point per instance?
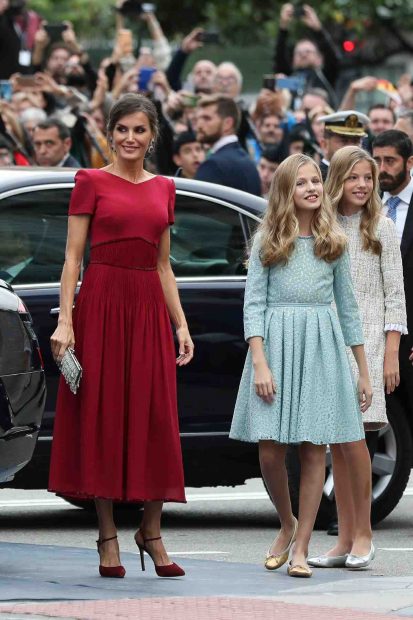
(297, 386)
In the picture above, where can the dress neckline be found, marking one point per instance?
(353, 216)
(306, 236)
(126, 180)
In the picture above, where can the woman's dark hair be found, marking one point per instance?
(130, 104)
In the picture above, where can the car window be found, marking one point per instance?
(33, 229)
(207, 239)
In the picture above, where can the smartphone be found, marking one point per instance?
(55, 31)
(299, 11)
(26, 81)
(144, 77)
(148, 7)
(189, 100)
(268, 81)
(6, 90)
(208, 37)
(124, 41)
(294, 84)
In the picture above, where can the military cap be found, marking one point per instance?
(346, 123)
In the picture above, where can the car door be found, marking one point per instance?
(33, 228)
(208, 254)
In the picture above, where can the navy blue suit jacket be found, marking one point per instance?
(71, 162)
(231, 166)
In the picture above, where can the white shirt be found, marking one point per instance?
(65, 158)
(223, 142)
(401, 211)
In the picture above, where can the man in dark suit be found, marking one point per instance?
(393, 153)
(52, 143)
(227, 163)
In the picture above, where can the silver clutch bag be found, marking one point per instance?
(71, 370)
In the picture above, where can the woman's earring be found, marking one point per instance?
(151, 147)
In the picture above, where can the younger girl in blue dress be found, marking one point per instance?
(297, 385)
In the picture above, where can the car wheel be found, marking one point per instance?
(391, 470)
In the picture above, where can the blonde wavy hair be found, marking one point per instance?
(341, 165)
(279, 228)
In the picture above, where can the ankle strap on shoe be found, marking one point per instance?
(145, 540)
(100, 541)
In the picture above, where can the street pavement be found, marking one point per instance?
(219, 537)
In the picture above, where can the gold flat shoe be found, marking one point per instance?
(272, 562)
(297, 570)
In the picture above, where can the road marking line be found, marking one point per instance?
(199, 552)
(395, 548)
(192, 497)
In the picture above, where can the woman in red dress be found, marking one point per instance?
(118, 437)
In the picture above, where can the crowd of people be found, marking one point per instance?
(54, 102)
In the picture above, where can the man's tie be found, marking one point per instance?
(392, 204)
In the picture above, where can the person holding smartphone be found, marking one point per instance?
(203, 73)
(316, 58)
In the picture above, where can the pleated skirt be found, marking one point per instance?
(118, 437)
(316, 398)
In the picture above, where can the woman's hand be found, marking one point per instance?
(391, 373)
(62, 338)
(186, 346)
(264, 382)
(365, 393)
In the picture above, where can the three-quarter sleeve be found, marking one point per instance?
(347, 308)
(255, 300)
(83, 197)
(171, 203)
(392, 274)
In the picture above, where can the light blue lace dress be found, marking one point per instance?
(289, 306)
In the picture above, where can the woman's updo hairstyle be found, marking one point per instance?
(130, 104)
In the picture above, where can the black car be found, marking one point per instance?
(213, 225)
(22, 385)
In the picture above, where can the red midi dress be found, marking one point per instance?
(118, 437)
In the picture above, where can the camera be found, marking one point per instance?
(133, 7)
(55, 31)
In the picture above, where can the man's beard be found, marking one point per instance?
(271, 139)
(211, 139)
(389, 183)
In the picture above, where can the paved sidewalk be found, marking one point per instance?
(40, 581)
(182, 608)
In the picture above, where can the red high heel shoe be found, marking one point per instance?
(110, 571)
(170, 570)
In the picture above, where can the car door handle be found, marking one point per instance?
(55, 311)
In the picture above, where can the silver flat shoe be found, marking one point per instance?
(326, 561)
(360, 561)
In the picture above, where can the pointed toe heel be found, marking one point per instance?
(170, 570)
(110, 571)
